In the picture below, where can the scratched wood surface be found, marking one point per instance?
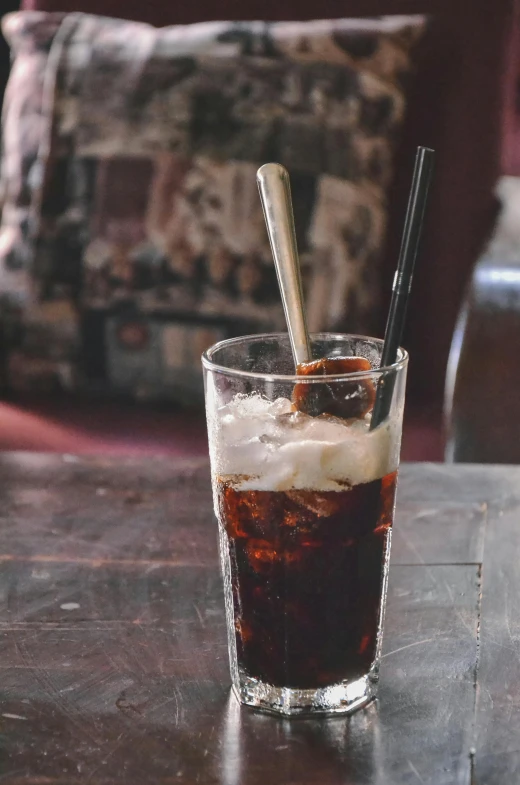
(113, 662)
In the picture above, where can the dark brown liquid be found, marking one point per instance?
(344, 399)
(307, 575)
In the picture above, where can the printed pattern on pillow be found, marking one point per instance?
(132, 233)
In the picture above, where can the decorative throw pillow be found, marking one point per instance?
(132, 233)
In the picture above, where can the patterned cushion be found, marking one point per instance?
(132, 233)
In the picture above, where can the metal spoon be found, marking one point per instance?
(275, 195)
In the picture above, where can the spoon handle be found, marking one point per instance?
(275, 195)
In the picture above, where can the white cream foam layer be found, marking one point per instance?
(263, 445)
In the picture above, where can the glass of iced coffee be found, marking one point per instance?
(304, 493)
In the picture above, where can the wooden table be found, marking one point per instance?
(113, 662)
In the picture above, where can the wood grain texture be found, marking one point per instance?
(113, 660)
(119, 688)
(439, 533)
(497, 742)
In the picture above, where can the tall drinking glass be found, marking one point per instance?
(305, 508)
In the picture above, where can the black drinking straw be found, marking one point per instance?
(422, 175)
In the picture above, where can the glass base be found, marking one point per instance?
(344, 697)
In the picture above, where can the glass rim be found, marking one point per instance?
(210, 365)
